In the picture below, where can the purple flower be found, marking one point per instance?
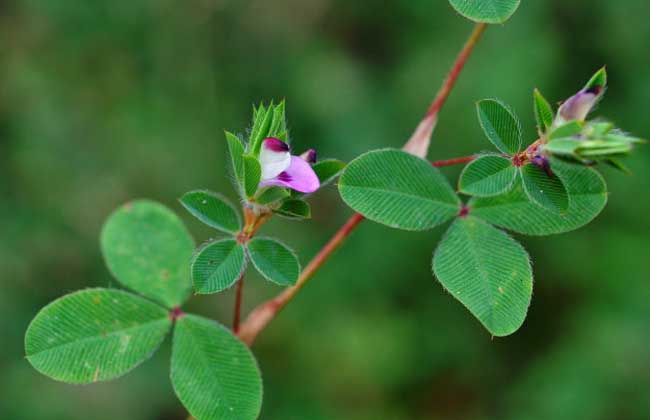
(579, 105)
(281, 169)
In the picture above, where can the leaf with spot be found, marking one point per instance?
(500, 125)
(94, 335)
(148, 249)
(214, 374)
(212, 209)
(486, 11)
(399, 190)
(545, 189)
(487, 175)
(217, 265)
(488, 272)
(514, 211)
(275, 261)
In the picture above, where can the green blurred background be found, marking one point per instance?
(105, 101)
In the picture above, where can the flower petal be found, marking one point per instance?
(299, 176)
(579, 105)
(274, 157)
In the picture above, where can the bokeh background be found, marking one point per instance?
(105, 101)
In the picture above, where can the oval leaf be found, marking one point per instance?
(148, 249)
(294, 209)
(500, 125)
(488, 272)
(217, 265)
(487, 175)
(212, 209)
(486, 11)
(399, 190)
(274, 261)
(515, 212)
(545, 189)
(213, 373)
(94, 335)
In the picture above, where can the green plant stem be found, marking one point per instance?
(418, 144)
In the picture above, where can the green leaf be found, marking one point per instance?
(294, 209)
(488, 272)
(252, 175)
(599, 79)
(570, 129)
(399, 190)
(274, 261)
(217, 265)
(148, 249)
(566, 147)
(271, 195)
(514, 211)
(487, 175)
(236, 152)
(278, 123)
(547, 191)
(500, 125)
(261, 128)
(543, 112)
(486, 11)
(212, 209)
(214, 374)
(94, 335)
(327, 170)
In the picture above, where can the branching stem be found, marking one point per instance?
(261, 316)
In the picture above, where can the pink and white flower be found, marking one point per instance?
(281, 169)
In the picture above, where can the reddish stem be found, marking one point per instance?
(238, 301)
(260, 317)
(455, 71)
(456, 161)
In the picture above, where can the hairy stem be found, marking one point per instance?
(455, 161)
(417, 145)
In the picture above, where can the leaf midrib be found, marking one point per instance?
(403, 194)
(100, 336)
